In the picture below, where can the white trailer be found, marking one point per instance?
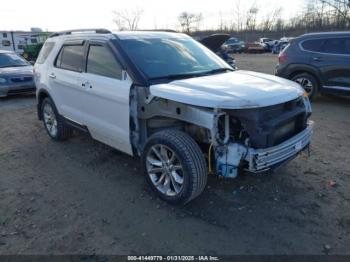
(17, 40)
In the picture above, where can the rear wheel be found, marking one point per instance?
(174, 166)
(53, 124)
(308, 82)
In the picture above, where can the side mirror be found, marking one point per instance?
(125, 75)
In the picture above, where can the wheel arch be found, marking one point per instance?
(296, 69)
(149, 114)
(41, 95)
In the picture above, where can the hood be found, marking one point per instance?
(214, 42)
(233, 90)
(19, 70)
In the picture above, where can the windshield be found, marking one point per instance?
(166, 57)
(232, 41)
(11, 60)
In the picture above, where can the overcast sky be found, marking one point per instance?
(56, 15)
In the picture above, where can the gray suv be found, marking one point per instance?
(319, 62)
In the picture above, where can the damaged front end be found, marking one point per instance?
(252, 139)
(259, 139)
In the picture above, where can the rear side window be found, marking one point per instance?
(71, 58)
(102, 62)
(313, 45)
(44, 52)
(337, 46)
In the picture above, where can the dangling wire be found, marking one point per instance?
(209, 159)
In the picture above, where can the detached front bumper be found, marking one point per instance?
(263, 159)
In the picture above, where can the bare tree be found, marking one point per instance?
(190, 21)
(271, 19)
(238, 15)
(251, 18)
(342, 7)
(127, 19)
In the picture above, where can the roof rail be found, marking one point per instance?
(69, 32)
(159, 30)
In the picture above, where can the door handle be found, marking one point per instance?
(317, 58)
(52, 75)
(86, 84)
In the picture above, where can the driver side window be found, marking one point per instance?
(100, 61)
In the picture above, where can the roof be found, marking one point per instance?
(323, 34)
(120, 34)
(148, 34)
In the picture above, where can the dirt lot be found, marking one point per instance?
(83, 197)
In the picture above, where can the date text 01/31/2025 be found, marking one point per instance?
(173, 258)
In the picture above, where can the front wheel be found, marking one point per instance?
(308, 82)
(174, 166)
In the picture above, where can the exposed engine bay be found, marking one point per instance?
(255, 132)
(254, 139)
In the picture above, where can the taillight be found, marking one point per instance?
(282, 57)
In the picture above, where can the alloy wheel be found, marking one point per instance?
(50, 120)
(165, 170)
(306, 84)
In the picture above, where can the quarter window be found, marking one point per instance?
(44, 52)
(71, 58)
(102, 62)
(313, 45)
(337, 46)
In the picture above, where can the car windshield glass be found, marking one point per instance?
(232, 41)
(169, 57)
(11, 60)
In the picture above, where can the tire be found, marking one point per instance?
(52, 120)
(308, 82)
(178, 150)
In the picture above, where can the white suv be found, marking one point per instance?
(168, 99)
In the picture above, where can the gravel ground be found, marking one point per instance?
(264, 63)
(82, 197)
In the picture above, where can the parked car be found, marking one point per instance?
(286, 39)
(16, 74)
(215, 43)
(233, 45)
(267, 43)
(279, 46)
(319, 62)
(171, 101)
(255, 48)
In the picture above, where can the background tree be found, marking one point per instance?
(190, 21)
(251, 18)
(341, 8)
(127, 19)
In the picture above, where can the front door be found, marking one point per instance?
(106, 98)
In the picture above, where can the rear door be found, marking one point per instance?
(106, 97)
(334, 63)
(65, 80)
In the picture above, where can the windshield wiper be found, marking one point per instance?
(16, 65)
(219, 70)
(5, 66)
(175, 76)
(189, 75)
